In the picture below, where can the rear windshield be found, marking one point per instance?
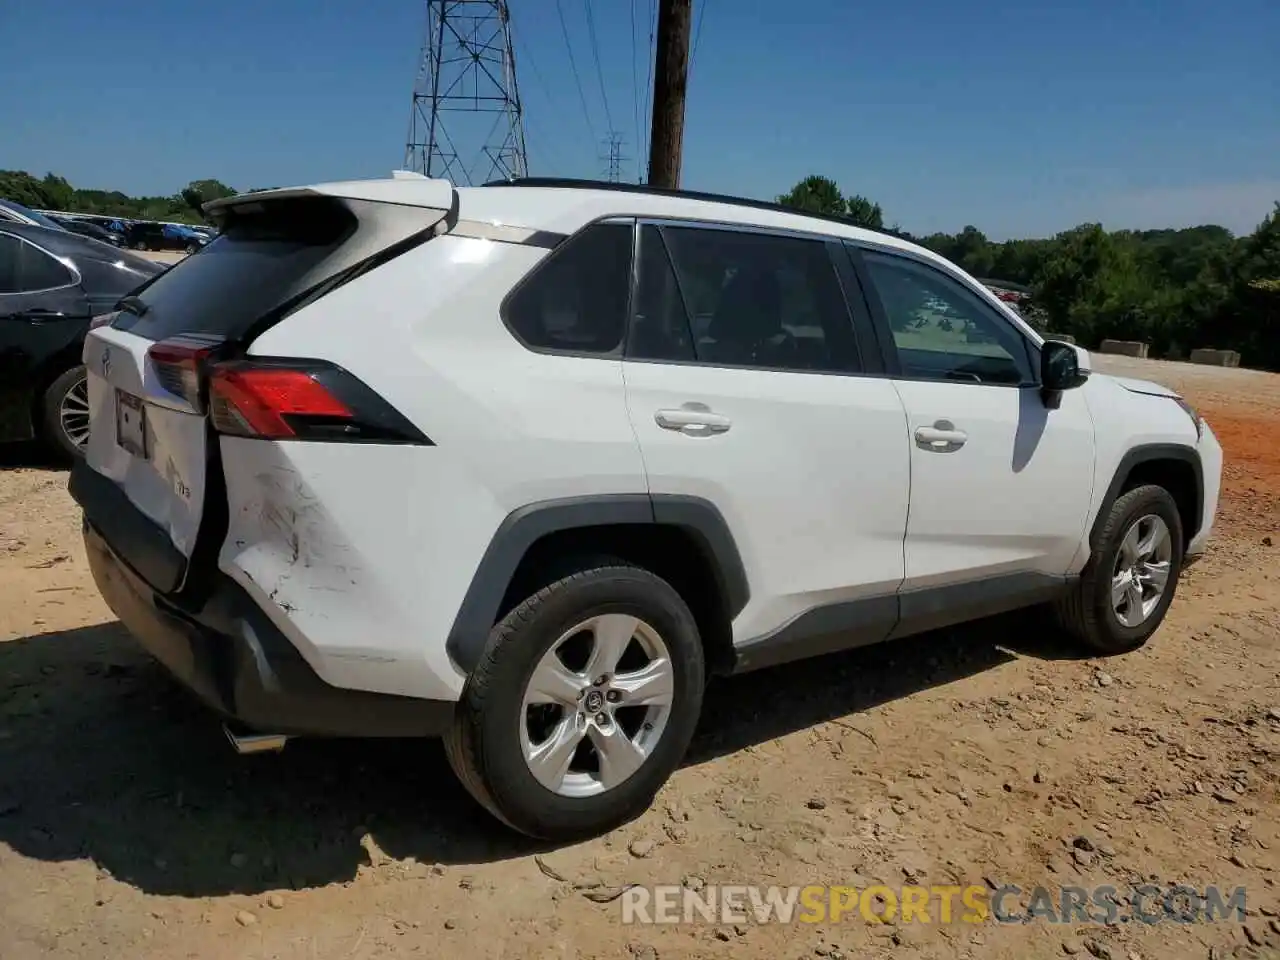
(267, 254)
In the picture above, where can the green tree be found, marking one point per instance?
(199, 192)
(864, 213)
(815, 194)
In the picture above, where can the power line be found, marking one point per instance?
(635, 72)
(648, 85)
(595, 52)
(573, 64)
(697, 32)
(526, 55)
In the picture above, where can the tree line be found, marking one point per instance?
(1175, 289)
(52, 192)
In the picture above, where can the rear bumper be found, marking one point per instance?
(236, 661)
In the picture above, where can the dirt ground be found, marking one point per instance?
(164, 256)
(989, 755)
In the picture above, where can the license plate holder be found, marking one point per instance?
(131, 424)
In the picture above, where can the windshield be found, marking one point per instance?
(36, 218)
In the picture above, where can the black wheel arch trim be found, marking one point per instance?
(523, 527)
(1146, 453)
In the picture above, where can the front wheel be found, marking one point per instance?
(1126, 587)
(66, 413)
(583, 704)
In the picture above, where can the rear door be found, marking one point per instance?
(149, 432)
(764, 411)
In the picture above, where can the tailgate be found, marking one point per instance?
(149, 436)
(148, 441)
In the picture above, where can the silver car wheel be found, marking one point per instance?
(73, 413)
(1142, 569)
(596, 705)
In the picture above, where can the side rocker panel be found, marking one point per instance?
(524, 527)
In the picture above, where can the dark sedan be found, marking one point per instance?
(87, 229)
(52, 283)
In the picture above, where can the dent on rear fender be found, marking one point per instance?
(285, 541)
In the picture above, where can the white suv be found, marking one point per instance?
(521, 465)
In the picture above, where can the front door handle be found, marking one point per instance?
(693, 420)
(942, 437)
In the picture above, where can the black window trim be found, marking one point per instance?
(614, 355)
(884, 333)
(857, 318)
(76, 278)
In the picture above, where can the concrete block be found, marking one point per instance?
(1063, 337)
(1216, 358)
(1125, 348)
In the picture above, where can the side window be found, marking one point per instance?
(660, 322)
(25, 268)
(576, 301)
(942, 329)
(760, 300)
(9, 251)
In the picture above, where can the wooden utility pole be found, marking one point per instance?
(670, 77)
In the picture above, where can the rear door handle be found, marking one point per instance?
(40, 315)
(942, 437)
(693, 420)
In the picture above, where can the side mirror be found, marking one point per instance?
(1060, 369)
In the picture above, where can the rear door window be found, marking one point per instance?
(751, 300)
(25, 268)
(263, 258)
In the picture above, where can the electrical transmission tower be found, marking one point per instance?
(614, 159)
(466, 123)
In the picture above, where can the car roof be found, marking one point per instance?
(565, 206)
(64, 243)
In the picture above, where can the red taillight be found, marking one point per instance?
(253, 401)
(178, 363)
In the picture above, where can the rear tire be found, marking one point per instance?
(1116, 606)
(500, 742)
(66, 414)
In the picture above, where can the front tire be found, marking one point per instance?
(1128, 584)
(583, 704)
(66, 413)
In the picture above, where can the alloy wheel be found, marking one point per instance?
(73, 413)
(1142, 569)
(596, 705)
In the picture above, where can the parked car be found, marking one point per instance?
(144, 235)
(393, 458)
(52, 282)
(87, 229)
(13, 212)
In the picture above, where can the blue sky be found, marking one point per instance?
(1020, 118)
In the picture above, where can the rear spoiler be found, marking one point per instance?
(403, 187)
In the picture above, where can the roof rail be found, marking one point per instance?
(584, 184)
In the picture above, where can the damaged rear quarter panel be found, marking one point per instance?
(342, 552)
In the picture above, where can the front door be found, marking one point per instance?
(1000, 483)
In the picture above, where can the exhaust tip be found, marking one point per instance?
(248, 741)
